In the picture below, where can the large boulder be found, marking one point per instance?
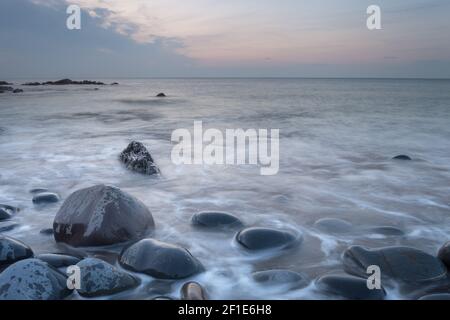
(12, 250)
(32, 279)
(99, 278)
(266, 238)
(137, 158)
(216, 220)
(101, 215)
(398, 263)
(160, 260)
(349, 287)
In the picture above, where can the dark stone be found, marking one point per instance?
(32, 84)
(160, 260)
(193, 291)
(291, 279)
(99, 278)
(266, 238)
(101, 215)
(47, 232)
(38, 190)
(402, 157)
(32, 279)
(17, 91)
(137, 158)
(12, 250)
(333, 225)
(45, 197)
(387, 231)
(58, 260)
(216, 220)
(115, 84)
(398, 263)
(5, 88)
(444, 254)
(436, 296)
(5, 83)
(64, 82)
(7, 226)
(6, 212)
(161, 95)
(349, 287)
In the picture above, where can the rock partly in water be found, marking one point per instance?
(436, 296)
(64, 82)
(267, 238)
(38, 190)
(12, 250)
(402, 157)
(444, 254)
(17, 91)
(47, 232)
(216, 220)
(99, 278)
(7, 226)
(160, 260)
(193, 291)
(6, 212)
(32, 279)
(286, 278)
(45, 197)
(58, 260)
(5, 88)
(137, 158)
(5, 83)
(349, 287)
(115, 84)
(101, 215)
(161, 95)
(333, 225)
(398, 263)
(387, 231)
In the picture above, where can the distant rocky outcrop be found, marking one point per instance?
(6, 88)
(161, 95)
(5, 83)
(64, 82)
(137, 158)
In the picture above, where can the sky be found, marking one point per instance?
(224, 38)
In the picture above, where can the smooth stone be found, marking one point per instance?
(436, 296)
(220, 220)
(160, 260)
(266, 238)
(444, 254)
(58, 260)
(349, 287)
(291, 279)
(399, 263)
(387, 231)
(38, 190)
(161, 95)
(47, 232)
(193, 291)
(45, 197)
(101, 215)
(12, 250)
(6, 212)
(402, 157)
(137, 158)
(333, 225)
(99, 278)
(32, 279)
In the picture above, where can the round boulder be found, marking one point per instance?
(45, 197)
(216, 220)
(398, 263)
(160, 260)
(349, 287)
(193, 291)
(32, 279)
(101, 215)
(267, 238)
(402, 157)
(12, 250)
(290, 279)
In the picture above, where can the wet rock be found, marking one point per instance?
(290, 279)
(387, 231)
(193, 291)
(5, 83)
(137, 158)
(444, 254)
(161, 95)
(45, 197)
(64, 82)
(99, 278)
(267, 238)
(58, 260)
(160, 260)
(47, 232)
(12, 250)
(333, 225)
(398, 263)
(402, 157)
(5, 88)
(38, 190)
(349, 287)
(6, 212)
(17, 91)
(217, 220)
(101, 215)
(436, 296)
(32, 84)
(7, 226)
(32, 279)
(115, 84)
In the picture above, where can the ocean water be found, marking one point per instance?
(337, 138)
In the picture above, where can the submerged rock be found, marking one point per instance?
(101, 215)
(45, 197)
(7, 226)
(333, 225)
(267, 238)
(193, 291)
(399, 263)
(12, 250)
(5, 83)
(349, 287)
(291, 279)
(402, 157)
(137, 158)
(48, 231)
(5, 88)
(99, 278)
(160, 260)
(38, 190)
(218, 220)
(32, 279)
(436, 296)
(161, 95)
(17, 91)
(387, 231)
(6, 212)
(58, 260)
(444, 254)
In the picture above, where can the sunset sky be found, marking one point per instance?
(173, 38)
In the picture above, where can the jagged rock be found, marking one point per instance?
(12, 250)
(6, 212)
(137, 158)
